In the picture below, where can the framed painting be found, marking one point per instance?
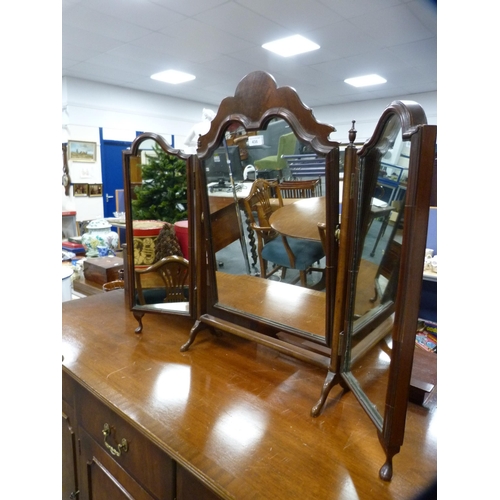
(80, 189)
(82, 151)
(95, 189)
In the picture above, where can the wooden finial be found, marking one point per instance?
(352, 133)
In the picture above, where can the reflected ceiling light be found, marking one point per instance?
(291, 46)
(173, 76)
(173, 385)
(365, 81)
(241, 427)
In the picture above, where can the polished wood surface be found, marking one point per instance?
(237, 414)
(274, 301)
(300, 219)
(224, 220)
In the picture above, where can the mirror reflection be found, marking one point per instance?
(383, 174)
(159, 213)
(266, 197)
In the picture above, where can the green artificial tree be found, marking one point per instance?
(163, 192)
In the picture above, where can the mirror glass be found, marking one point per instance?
(158, 209)
(240, 160)
(383, 174)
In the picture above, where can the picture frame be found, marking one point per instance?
(82, 151)
(80, 189)
(95, 190)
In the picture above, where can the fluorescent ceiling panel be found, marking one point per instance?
(291, 46)
(365, 81)
(173, 76)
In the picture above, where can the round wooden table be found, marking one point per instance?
(300, 219)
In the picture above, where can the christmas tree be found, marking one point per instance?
(163, 192)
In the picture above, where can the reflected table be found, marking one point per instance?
(300, 219)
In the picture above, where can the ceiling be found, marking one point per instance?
(123, 42)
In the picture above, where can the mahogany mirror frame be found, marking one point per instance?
(422, 137)
(258, 100)
(130, 288)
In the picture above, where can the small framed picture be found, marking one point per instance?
(80, 189)
(95, 189)
(82, 151)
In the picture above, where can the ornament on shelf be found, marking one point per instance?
(99, 234)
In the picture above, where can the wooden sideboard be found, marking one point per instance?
(227, 419)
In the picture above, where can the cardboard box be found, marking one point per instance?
(103, 269)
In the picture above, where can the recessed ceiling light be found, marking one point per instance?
(173, 76)
(365, 81)
(291, 46)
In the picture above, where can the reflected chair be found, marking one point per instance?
(163, 281)
(386, 278)
(286, 146)
(283, 252)
(298, 189)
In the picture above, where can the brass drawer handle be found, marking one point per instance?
(123, 447)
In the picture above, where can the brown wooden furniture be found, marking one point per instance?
(113, 285)
(257, 102)
(281, 251)
(131, 162)
(300, 219)
(228, 420)
(401, 126)
(102, 269)
(169, 284)
(351, 333)
(224, 221)
(306, 188)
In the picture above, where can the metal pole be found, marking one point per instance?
(243, 243)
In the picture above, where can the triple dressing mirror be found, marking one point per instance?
(158, 193)
(347, 300)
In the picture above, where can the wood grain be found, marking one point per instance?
(236, 413)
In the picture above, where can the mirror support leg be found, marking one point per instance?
(198, 327)
(138, 316)
(331, 379)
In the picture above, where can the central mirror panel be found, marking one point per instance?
(269, 179)
(251, 191)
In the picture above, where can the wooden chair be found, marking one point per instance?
(298, 189)
(284, 253)
(113, 285)
(163, 281)
(389, 270)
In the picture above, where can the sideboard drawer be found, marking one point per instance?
(143, 460)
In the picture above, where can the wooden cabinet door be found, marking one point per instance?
(69, 454)
(191, 488)
(102, 478)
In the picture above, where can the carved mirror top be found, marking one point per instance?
(148, 136)
(257, 100)
(411, 116)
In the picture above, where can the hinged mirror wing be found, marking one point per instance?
(159, 206)
(387, 205)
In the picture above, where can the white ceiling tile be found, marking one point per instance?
(105, 25)
(296, 15)
(144, 13)
(189, 7)
(401, 27)
(219, 41)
